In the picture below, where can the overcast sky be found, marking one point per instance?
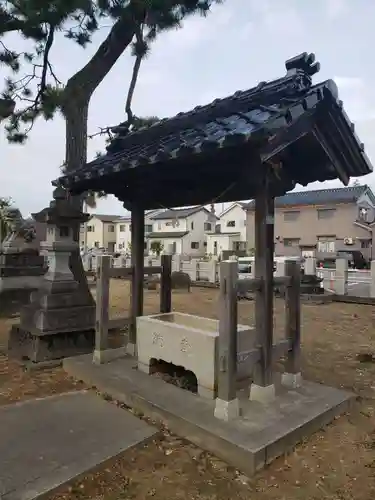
(241, 43)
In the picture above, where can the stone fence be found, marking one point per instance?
(339, 280)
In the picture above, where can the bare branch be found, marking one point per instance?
(135, 73)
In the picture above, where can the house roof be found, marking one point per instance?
(236, 233)
(233, 205)
(215, 152)
(164, 235)
(106, 218)
(123, 219)
(320, 197)
(178, 213)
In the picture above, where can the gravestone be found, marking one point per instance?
(180, 280)
(21, 265)
(60, 319)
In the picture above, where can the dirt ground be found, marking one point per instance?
(336, 463)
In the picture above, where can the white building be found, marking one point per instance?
(99, 232)
(123, 231)
(182, 230)
(229, 232)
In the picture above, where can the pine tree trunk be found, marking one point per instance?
(76, 113)
(75, 105)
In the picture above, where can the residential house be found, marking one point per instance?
(123, 231)
(322, 222)
(182, 230)
(99, 232)
(229, 233)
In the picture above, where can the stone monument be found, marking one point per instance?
(60, 319)
(21, 265)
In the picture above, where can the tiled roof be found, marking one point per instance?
(106, 218)
(214, 233)
(320, 197)
(269, 117)
(163, 235)
(125, 218)
(178, 213)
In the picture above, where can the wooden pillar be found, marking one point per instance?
(137, 260)
(166, 284)
(228, 330)
(292, 373)
(264, 255)
(102, 302)
(227, 405)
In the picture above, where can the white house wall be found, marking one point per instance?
(237, 214)
(197, 233)
(224, 243)
(167, 242)
(123, 238)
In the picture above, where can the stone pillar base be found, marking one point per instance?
(227, 410)
(41, 347)
(107, 355)
(131, 349)
(262, 394)
(291, 380)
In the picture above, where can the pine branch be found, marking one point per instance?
(141, 50)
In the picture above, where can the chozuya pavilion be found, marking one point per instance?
(259, 144)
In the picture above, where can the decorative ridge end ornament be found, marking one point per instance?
(303, 67)
(304, 62)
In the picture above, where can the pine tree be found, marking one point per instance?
(34, 84)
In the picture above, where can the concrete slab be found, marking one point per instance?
(264, 431)
(44, 443)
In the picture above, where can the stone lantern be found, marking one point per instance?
(60, 319)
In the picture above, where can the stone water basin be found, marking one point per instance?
(189, 341)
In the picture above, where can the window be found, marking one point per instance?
(291, 242)
(122, 228)
(207, 226)
(192, 225)
(148, 228)
(205, 244)
(145, 245)
(96, 244)
(326, 213)
(327, 244)
(111, 228)
(194, 245)
(231, 223)
(169, 223)
(365, 244)
(291, 216)
(90, 229)
(365, 215)
(64, 231)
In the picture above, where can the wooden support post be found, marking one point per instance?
(263, 388)
(102, 304)
(227, 406)
(166, 284)
(292, 375)
(137, 253)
